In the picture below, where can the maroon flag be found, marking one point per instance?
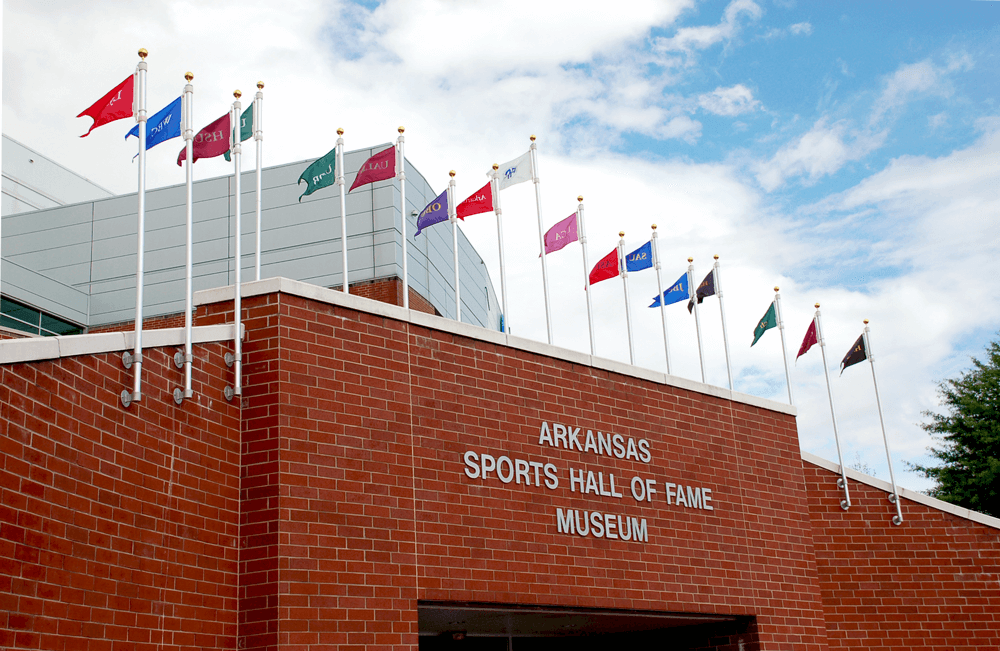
(117, 104)
(210, 142)
(606, 267)
(379, 167)
(562, 234)
(811, 338)
(480, 201)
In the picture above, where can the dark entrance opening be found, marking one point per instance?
(492, 627)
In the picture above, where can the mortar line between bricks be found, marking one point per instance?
(170, 493)
(413, 472)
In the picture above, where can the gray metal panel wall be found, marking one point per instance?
(91, 246)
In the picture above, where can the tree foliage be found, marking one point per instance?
(967, 437)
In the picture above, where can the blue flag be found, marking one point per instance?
(641, 258)
(161, 127)
(435, 213)
(678, 292)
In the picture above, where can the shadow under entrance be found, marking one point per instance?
(492, 627)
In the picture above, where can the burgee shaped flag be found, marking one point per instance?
(434, 213)
(641, 258)
(480, 201)
(675, 293)
(379, 167)
(561, 234)
(515, 171)
(810, 340)
(115, 105)
(606, 267)
(162, 126)
(320, 174)
(210, 142)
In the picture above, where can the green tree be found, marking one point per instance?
(967, 437)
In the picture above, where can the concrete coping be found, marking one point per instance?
(370, 306)
(33, 349)
(913, 496)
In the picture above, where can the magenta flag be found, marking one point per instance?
(379, 167)
(210, 142)
(561, 234)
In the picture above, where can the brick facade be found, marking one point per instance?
(319, 510)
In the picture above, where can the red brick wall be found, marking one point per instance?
(152, 323)
(931, 583)
(390, 290)
(118, 528)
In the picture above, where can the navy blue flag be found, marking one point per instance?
(435, 213)
(641, 258)
(678, 292)
(163, 126)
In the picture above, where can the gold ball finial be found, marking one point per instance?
(189, 76)
(775, 288)
(579, 197)
(715, 257)
(237, 94)
(866, 321)
(532, 137)
(690, 260)
(817, 306)
(340, 131)
(260, 85)
(143, 53)
(451, 173)
(621, 233)
(495, 166)
(400, 129)
(654, 227)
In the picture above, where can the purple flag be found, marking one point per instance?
(561, 234)
(435, 213)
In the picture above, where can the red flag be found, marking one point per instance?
(606, 267)
(480, 201)
(379, 167)
(117, 104)
(210, 142)
(811, 338)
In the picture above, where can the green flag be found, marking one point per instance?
(768, 321)
(320, 174)
(246, 127)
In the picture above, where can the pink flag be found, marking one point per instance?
(379, 167)
(210, 142)
(480, 201)
(115, 105)
(561, 234)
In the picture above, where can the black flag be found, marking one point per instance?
(858, 353)
(706, 288)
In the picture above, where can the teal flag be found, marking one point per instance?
(246, 127)
(768, 321)
(320, 174)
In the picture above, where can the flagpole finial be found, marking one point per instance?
(260, 85)
(400, 129)
(776, 289)
(143, 53)
(495, 166)
(621, 233)
(340, 132)
(690, 260)
(237, 94)
(715, 257)
(654, 227)
(451, 173)
(532, 137)
(866, 321)
(579, 197)
(189, 76)
(817, 306)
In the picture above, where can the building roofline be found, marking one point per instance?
(913, 496)
(61, 166)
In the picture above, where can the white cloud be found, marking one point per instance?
(731, 101)
(688, 39)
(922, 77)
(800, 28)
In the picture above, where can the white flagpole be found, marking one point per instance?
(894, 498)
(784, 351)
(495, 191)
(343, 206)
(140, 118)
(623, 270)
(659, 286)
(693, 294)
(541, 234)
(722, 311)
(237, 150)
(188, 129)
(453, 217)
(258, 136)
(582, 236)
(842, 482)
(401, 175)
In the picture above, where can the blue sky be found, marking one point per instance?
(846, 151)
